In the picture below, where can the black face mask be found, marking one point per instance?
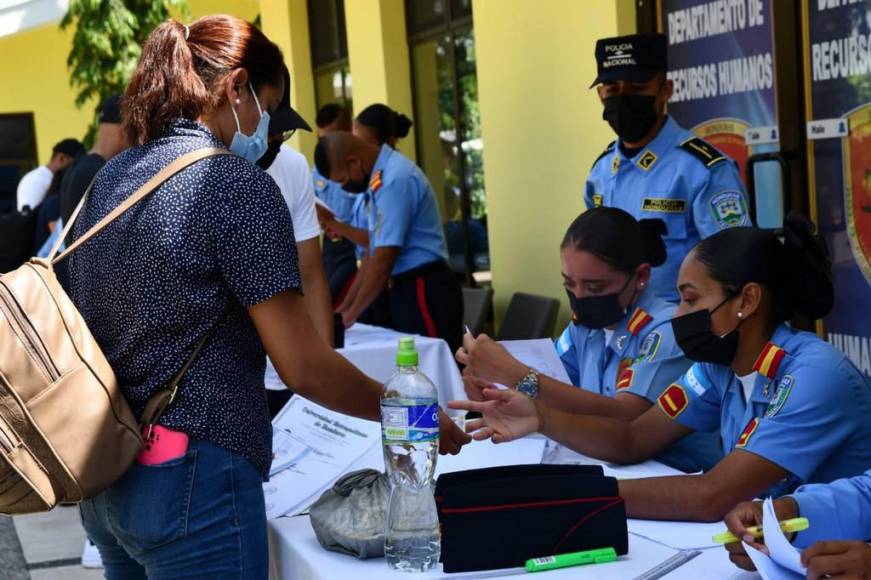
(265, 162)
(352, 186)
(598, 312)
(631, 116)
(699, 343)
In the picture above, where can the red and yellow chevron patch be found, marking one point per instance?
(673, 400)
(769, 360)
(375, 183)
(748, 432)
(624, 381)
(639, 320)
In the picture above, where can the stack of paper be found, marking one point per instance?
(312, 448)
(539, 354)
(783, 561)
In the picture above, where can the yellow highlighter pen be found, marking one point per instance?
(788, 527)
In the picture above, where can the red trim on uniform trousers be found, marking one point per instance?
(424, 309)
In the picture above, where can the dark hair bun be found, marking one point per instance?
(652, 231)
(403, 125)
(808, 268)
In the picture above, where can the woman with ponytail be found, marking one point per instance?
(208, 254)
(619, 348)
(380, 125)
(790, 408)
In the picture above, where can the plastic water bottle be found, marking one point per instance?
(410, 435)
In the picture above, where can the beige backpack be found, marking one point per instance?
(66, 431)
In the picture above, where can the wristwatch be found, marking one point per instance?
(528, 385)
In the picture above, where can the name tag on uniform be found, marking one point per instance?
(663, 205)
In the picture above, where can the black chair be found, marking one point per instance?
(529, 316)
(477, 304)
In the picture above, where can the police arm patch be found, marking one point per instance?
(784, 388)
(673, 401)
(650, 346)
(729, 209)
(748, 432)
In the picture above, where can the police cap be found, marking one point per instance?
(636, 57)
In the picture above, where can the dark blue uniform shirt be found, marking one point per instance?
(154, 281)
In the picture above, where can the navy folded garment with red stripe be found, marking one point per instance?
(501, 517)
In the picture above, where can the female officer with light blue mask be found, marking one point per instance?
(790, 408)
(619, 348)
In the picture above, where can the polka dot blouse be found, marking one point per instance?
(154, 281)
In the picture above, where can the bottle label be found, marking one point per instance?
(410, 424)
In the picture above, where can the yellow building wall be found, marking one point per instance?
(378, 58)
(34, 64)
(285, 22)
(542, 129)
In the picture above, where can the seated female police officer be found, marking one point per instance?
(790, 407)
(619, 348)
(840, 516)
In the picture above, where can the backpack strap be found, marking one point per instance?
(147, 189)
(163, 398)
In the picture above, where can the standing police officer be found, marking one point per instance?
(657, 169)
(340, 261)
(405, 253)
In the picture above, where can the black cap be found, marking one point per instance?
(285, 118)
(110, 110)
(636, 57)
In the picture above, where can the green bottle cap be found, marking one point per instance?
(406, 356)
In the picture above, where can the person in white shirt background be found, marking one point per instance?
(289, 169)
(35, 183)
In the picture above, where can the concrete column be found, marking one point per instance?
(542, 129)
(378, 58)
(285, 22)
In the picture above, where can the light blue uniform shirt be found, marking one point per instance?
(332, 194)
(809, 413)
(677, 178)
(400, 209)
(642, 359)
(840, 510)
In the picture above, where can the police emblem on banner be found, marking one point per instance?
(729, 137)
(857, 187)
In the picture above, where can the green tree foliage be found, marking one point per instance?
(107, 43)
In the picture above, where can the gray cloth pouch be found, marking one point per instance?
(351, 516)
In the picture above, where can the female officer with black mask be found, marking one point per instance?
(790, 408)
(619, 348)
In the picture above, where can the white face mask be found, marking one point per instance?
(251, 147)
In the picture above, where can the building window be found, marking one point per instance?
(17, 154)
(447, 121)
(329, 48)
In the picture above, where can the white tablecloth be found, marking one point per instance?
(373, 350)
(295, 553)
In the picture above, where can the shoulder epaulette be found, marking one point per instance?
(375, 183)
(639, 320)
(607, 150)
(769, 360)
(703, 151)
